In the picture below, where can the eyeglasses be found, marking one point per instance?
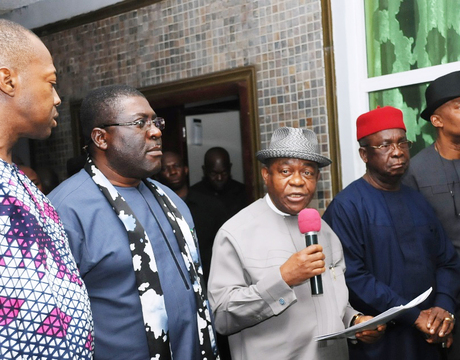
(141, 124)
(385, 148)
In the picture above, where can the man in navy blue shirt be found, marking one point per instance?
(395, 247)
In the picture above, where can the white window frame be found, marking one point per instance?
(353, 86)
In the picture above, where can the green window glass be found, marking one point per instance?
(403, 35)
(411, 100)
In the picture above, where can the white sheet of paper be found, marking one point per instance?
(383, 318)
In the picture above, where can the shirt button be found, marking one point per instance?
(281, 301)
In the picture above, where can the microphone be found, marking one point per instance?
(310, 224)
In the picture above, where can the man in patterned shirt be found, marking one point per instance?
(44, 306)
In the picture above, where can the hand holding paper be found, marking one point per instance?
(369, 336)
(383, 318)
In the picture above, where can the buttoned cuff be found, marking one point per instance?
(274, 290)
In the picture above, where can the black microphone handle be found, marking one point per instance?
(311, 238)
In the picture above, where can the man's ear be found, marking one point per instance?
(98, 136)
(363, 154)
(185, 170)
(436, 120)
(264, 172)
(7, 81)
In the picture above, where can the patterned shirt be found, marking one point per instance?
(44, 306)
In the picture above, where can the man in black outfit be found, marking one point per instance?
(217, 181)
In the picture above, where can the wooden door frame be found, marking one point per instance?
(240, 82)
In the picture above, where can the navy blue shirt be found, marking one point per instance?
(395, 249)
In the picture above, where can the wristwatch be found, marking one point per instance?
(354, 318)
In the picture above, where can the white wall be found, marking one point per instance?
(350, 67)
(219, 129)
(46, 12)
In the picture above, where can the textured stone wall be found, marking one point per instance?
(179, 39)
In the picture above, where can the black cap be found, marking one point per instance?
(440, 91)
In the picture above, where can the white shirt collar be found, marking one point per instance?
(273, 207)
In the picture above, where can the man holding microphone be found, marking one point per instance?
(258, 286)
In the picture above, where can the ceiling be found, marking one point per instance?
(9, 5)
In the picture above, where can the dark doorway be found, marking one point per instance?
(214, 93)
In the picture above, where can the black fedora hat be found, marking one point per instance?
(440, 91)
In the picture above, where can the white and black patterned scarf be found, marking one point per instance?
(145, 268)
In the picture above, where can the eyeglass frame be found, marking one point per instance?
(385, 148)
(158, 122)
